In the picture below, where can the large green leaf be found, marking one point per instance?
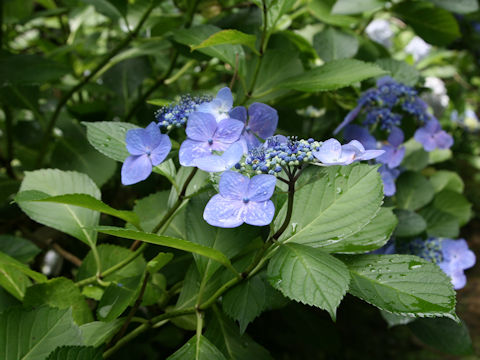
(13, 281)
(447, 180)
(440, 223)
(60, 293)
(81, 200)
(402, 284)
(201, 349)
(9, 261)
(34, 334)
(97, 333)
(413, 191)
(373, 236)
(276, 9)
(73, 220)
(224, 334)
(309, 275)
(321, 9)
(29, 69)
(231, 37)
(167, 241)
(332, 44)
(458, 6)
(333, 75)
(454, 204)
(18, 248)
(108, 137)
(337, 202)
(400, 71)
(245, 301)
(436, 26)
(347, 7)
(443, 334)
(76, 353)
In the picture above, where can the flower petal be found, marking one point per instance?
(261, 187)
(263, 120)
(425, 138)
(161, 151)
(135, 169)
(217, 163)
(360, 133)
(259, 213)
(137, 141)
(233, 185)
(250, 140)
(201, 126)
(239, 113)
(329, 152)
(226, 98)
(349, 118)
(228, 131)
(443, 140)
(396, 136)
(191, 150)
(224, 212)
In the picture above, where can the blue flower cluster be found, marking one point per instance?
(176, 114)
(218, 137)
(452, 256)
(382, 109)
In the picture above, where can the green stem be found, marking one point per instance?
(9, 137)
(64, 99)
(98, 262)
(199, 332)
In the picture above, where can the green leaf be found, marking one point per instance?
(447, 180)
(348, 7)
(231, 37)
(413, 191)
(436, 26)
(443, 334)
(394, 319)
(159, 102)
(82, 200)
(59, 293)
(321, 9)
(106, 8)
(29, 69)
(458, 6)
(454, 204)
(400, 71)
(409, 223)
(227, 241)
(440, 223)
(111, 255)
(97, 333)
(332, 44)
(18, 248)
(373, 236)
(198, 34)
(118, 296)
(416, 159)
(6, 260)
(33, 334)
(337, 202)
(72, 220)
(108, 137)
(7, 300)
(13, 281)
(402, 284)
(246, 301)
(309, 275)
(224, 334)
(202, 349)
(276, 9)
(333, 75)
(75, 353)
(167, 169)
(167, 241)
(73, 152)
(158, 262)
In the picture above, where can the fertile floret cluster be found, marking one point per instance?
(176, 114)
(430, 249)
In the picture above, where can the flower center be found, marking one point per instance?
(247, 129)
(210, 141)
(246, 200)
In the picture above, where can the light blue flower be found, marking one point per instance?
(394, 153)
(217, 163)
(388, 178)
(456, 258)
(241, 200)
(220, 106)
(432, 137)
(148, 147)
(205, 135)
(331, 152)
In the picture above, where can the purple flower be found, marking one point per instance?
(431, 136)
(456, 258)
(206, 135)
(217, 163)
(394, 154)
(388, 177)
(220, 106)
(331, 152)
(241, 200)
(148, 147)
(360, 133)
(262, 122)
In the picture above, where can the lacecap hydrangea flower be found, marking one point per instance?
(176, 114)
(148, 148)
(241, 200)
(220, 106)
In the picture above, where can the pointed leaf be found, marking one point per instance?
(97, 333)
(76, 353)
(202, 349)
(231, 37)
